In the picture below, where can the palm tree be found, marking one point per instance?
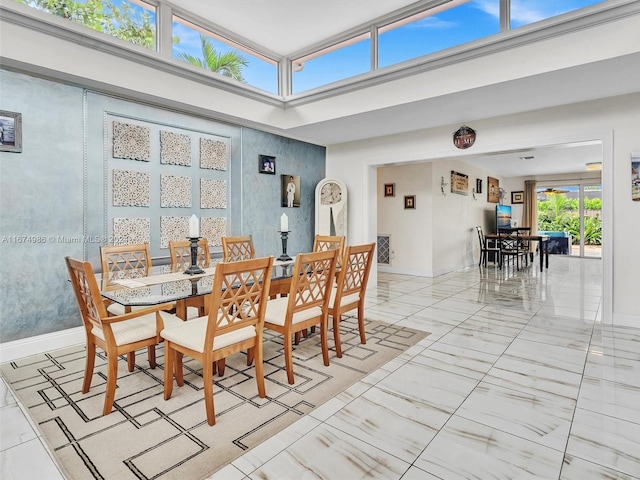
(229, 64)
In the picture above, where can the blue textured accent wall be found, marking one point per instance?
(55, 190)
(261, 193)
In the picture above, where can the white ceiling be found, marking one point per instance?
(284, 27)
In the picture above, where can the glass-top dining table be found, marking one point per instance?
(161, 285)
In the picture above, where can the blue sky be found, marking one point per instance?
(467, 22)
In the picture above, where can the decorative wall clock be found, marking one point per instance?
(331, 207)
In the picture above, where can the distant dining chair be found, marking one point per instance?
(306, 304)
(323, 243)
(116, 335)
(238, 248)
(124, 262)
(512, 246)
(235, 323)
(349, 293)
(180, 255)
(486, 249)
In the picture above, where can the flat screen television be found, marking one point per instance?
(503, 216)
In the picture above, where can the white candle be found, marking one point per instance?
(284, 223)
(194, 227)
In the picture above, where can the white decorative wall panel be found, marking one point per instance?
(175, 191)
(131, 141)
(128, 231)
(173, 228)
(213, 193)
(131, 188)
(175, 148)
(213, 229)
(213, 154)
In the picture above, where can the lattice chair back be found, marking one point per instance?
(125, 261)
(240, 297)
(85, 287)
(324, 243)
(355, 269)
(180, 253)
(312, 281)
(238, 248)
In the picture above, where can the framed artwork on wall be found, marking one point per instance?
(517, 197)
(409, 202)
(267, 164)
(290, 190)
(478, 185)
(10, 132)
(493, 190)
(459, 183)
(635, 176)
(389, 189)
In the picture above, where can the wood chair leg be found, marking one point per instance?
(296, 336)
(88, 367)
(336, 334)
(221, 364)
(324, 342)
(288, 357)
(112, 375)
(151, 354)
(250, 356)
(259, 370)
(207, 378)
(131, 361)
(169, 369)
(178, 371)
(363, 339)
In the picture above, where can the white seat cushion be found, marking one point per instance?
(346, 300)
(191, 335)
(136, 329)
(277, 310)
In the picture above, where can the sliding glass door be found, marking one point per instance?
(572, 217)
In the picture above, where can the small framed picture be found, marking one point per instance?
(517, 197)
(267, 164)
(10, 131)
(409, 202)
(478, 185)
(389, 189)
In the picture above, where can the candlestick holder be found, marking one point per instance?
(284, 257)
(194, 268)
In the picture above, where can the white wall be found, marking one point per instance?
(613, 121)
(410, 230)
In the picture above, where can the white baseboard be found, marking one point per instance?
(620, 320)
(10, 351)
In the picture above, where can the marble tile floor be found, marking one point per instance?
(519, 379)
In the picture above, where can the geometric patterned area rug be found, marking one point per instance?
(146, 437)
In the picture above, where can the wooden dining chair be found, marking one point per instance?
(486, 249)
(238, 248)
(180, 255)
(123, 262)
(306, 304)
(116, 335)
(350, 290)
(323, 243)
(235, 322)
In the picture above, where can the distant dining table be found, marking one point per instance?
(543, 242)
(162, 285)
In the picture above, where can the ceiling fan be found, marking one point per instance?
(552, 191)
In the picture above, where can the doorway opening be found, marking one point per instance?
(571, 214)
